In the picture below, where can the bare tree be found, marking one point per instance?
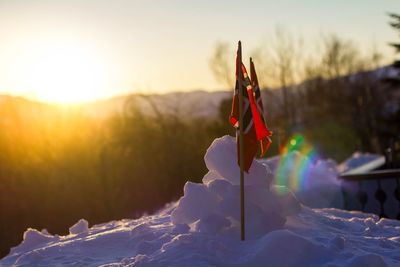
(222, 63)
(340, 57)
(315, 79)
(280, 59)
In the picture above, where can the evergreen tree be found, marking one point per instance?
(392, 120)
(395, 23)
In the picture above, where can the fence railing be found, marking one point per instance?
(359, 187)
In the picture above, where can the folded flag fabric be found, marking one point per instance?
(254, 129)
(264, 142)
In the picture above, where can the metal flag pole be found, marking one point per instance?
(241, 144)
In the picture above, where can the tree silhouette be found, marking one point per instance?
(395, 23)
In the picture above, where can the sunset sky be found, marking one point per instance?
(77, 50)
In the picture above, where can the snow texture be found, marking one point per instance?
(359, 159)
(212, 207)
(319, 187)
(202, 229)
(82, 226)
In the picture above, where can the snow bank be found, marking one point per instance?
(313, 181)
(82, 226)
(202, 229)
(313, 237)
(358, 159)
(221, 158)
(214, 206)
(33, 238)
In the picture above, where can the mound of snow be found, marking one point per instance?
(314, 182)
(221, 158)
(202, 229)
(82, 226)
(313, 237)
(33, 238)
(213, 206)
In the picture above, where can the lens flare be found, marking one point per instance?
(296, 160)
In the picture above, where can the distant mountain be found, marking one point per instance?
(197, 103)
(193, 103)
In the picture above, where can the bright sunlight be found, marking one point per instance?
(63, 72)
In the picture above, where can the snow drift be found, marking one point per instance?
(212, 207)
(312, 180)
(202, 229)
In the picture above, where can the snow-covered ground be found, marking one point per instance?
(202, 228)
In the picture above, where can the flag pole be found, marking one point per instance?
(241, 144)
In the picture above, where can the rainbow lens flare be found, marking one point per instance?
(296, 161)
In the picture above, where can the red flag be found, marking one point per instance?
(264, 142)
(254, 129)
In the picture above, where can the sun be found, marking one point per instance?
(65, 73)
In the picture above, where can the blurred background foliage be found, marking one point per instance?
(58, 165)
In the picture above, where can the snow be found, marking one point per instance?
(221, 158)
(313, 181)
(202, 228)
(361, 162)
(82, 226)
(212, 206)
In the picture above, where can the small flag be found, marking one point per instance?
(265, 142)
(254, 129)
